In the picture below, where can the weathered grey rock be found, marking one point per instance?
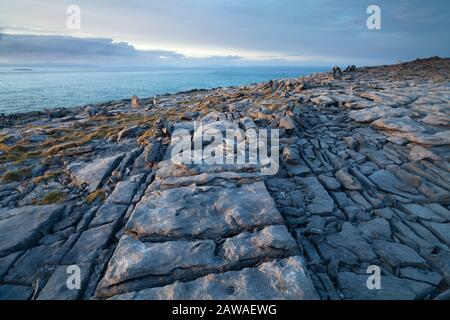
(316, 225)
(368, 168)
(341, 199)
(169, 169)
(94, 173)
(108, 213)
(407, 236)
(68, 221)
(427, 276)
(165, 262)
(377, 228)
(350, 238)
(75, 151)
(398, 255)
(360, 200)
(291, 154)
(319, 201)
(405, 176)
(440, 210)
(418, 153)
(247, 123)
(404, 124)
(287, 123)
(268, 281)
(25, 226)
(129, 132)
(435, 139)
(380, 158)
(272, 241)
(90, 244)
(50, 239)
(386, 181)
(437, 119)
(151, 151)
(86, 219)
(123, 192)
(205, 178)
(7, 262)
(440, 230)
(297, 169)
(12, 292)
(443, 296)
(158, 262)
(11, 186)
(354, 286)
(418, 211)
(330, 183)
(128, 159)
(347, 180)
(371, 114)
(26, 267)
(205, 212)
(342, 255)
(56, 287)
(322, 100)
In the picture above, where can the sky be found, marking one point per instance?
(222, 32)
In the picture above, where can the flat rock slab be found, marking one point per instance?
(26, 225)
(206, 178)
(90, 243)
(319, 201)
(12, 292)
(276, 280)
(170, 168)
(123, 192)
(398, 255)
(354, 287)
(377, 228)
(94, 173)
(424, 213)
(350, 238)
(107, 213)
(272, 241)
(56, 287)
(404, 124)
(440, 230)
(165, 262)
(427, 276)
(371, 114)
(205, 212)
(26, 267)
(387, 182)
(7, 262)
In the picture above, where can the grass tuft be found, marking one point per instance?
(96, 195)
(53, 197)
(16, 175)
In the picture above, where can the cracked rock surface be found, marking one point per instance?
(363, 181)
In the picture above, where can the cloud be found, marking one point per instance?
(312, 31)
(65, 49)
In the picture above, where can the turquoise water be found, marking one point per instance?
(37, 88)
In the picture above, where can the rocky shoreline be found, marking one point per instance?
(363, 181)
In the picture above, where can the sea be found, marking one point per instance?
(24, 89)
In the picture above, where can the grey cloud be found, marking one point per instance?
(45, 49)
(323, 30)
